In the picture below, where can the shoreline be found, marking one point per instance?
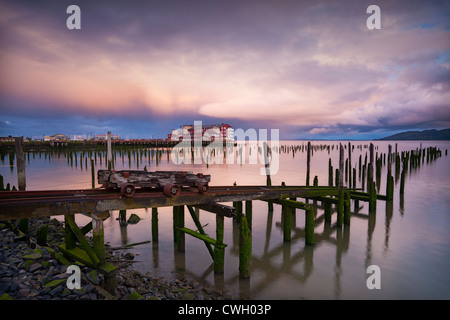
(32, 272)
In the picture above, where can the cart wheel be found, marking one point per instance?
(203, 188)
(128, 190)
(171, 190)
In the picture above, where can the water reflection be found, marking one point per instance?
(335, 267)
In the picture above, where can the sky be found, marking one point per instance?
(312, 69)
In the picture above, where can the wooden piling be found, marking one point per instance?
(350, 165)
(308, 163)
(219, 249)
(109, 155)
(155, 234)
(371, 187)
(92, 174)
(327, 210)
(330, 173)
(245, 248)
(390, 178)
(340, 206)
(347, 203)
(98, 237)
(249, 212)
(309, 225)
(178, 222)
(286, 213)
(69, 236)
(20, 162)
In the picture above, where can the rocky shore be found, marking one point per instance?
(29, 271)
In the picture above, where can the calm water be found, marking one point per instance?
(410, 242)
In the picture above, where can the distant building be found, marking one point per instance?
(56, 137)
(7, 139)
(99, 137)
(79, 137)
(209, 132)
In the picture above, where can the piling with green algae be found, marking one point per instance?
(286, 213)
(330, 173)
(347, 202)
(340, 205)
(309, 225)
(178, 222)
(155, 224)
(219, 248)
(245, 248)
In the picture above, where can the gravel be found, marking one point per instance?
(29, 271)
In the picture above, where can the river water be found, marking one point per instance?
(408, 239)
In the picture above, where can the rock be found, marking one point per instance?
(41, 235)
(54, 283)
(35, 266)
(187, 296)
(5, 296)
(33, 256)
(134, 296)
(133, 219)
(56, 291)
(93, 277)
(129, 256)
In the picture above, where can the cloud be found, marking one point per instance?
(292, 64)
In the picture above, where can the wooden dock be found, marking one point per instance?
(97, 203)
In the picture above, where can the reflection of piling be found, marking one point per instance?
(20, 161)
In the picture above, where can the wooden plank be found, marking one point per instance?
(79, 255)
(202, 237)
(218, 208)
(42, 207)
(80, 236)
(292, 203)
(200, 229)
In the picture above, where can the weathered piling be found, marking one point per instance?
(340, 206)
(286, 214)
(92, 174)
(327, 210)
(309, 225)
(155, 233)
(109, 156)
(347, 202)
(371, 188)
(20, 162)
(178, 223)
(390, 178)
(245, 248)
(219, 248)
(308, 162)
(349, 164)
(249, 212)
(330, 173)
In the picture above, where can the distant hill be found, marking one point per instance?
(421, 135)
